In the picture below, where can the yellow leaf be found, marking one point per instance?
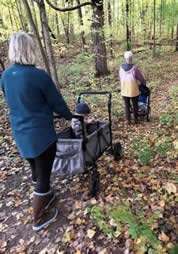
(68, 236)
(93, 201)
(78, 252)
(171, 188)
(112, 222)
(18, 202)
(163, 237)
(78, 221)
(71, 216)
(78, 204)
(30, 210)
(76, 187)
(26, 220)
(90, 233)
(162, 203)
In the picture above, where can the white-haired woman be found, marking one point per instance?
(129, 75)
(32, 98)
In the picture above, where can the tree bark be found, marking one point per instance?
(49, 49)
(177, 37)
(127, 25)
(57, 22)
(110, 26)
(66, 30)
(99, 48)
(34, 13)
(19, 9)
(36, 33)
(154, 27)
(82, 34)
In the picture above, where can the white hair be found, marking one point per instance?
(128, 55)
(22, 49)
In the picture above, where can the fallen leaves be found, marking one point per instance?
(163, 237)
(91, 233)
(170, 188)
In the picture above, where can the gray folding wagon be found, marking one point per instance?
(74, 155)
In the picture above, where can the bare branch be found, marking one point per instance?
(67, 9)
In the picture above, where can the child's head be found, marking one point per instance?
(82, 109)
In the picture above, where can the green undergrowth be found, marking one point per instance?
(112, 219)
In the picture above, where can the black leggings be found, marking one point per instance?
(41, 167)
(127, 107)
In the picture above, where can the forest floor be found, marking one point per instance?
(136, 209)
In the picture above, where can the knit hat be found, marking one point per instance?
(82, 108)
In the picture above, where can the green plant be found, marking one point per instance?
(166, 119)
(164, 145)
(84, 58)
(144, 152)
(110, 219)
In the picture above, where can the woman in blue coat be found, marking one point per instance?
(32, 98)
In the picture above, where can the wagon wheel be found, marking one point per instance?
(117, 151)
(148, 117)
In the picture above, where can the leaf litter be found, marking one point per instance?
(148, 191)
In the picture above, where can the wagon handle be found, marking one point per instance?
(109, 106)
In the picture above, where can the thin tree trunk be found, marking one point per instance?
(35, 30)
(10, 16)
(160, 22)
(34, 12)
(154, 31)
(19, 9)
(133, 24)
(82, 34)
(57, 22)
(177, 37)
(110, 27)
(66, 30)
(99, 47)
(15, 19)
(48, 42)
(127, 25)
(71, 24)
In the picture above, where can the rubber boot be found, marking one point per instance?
(42, 217)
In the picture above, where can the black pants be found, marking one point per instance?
(128, 107)
(41, 167)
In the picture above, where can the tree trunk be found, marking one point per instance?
(15, 19)
(35, 31)
(10, 16)
(70, 22)
(82, 34)
(34, 13)
(154, 27)
(110, 27)
(127, 25)
(57, 23)
(133, 23)
(49, 49)
(19, 9)
(177, 37)
(66, 30)
(99, 48)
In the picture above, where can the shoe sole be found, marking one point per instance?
(46, 223)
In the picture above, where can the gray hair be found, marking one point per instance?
(128, 55)
(22, 49)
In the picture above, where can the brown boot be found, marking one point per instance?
(41, 217)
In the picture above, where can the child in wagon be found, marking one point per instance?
(82, 109)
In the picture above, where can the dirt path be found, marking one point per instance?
(69, 233)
